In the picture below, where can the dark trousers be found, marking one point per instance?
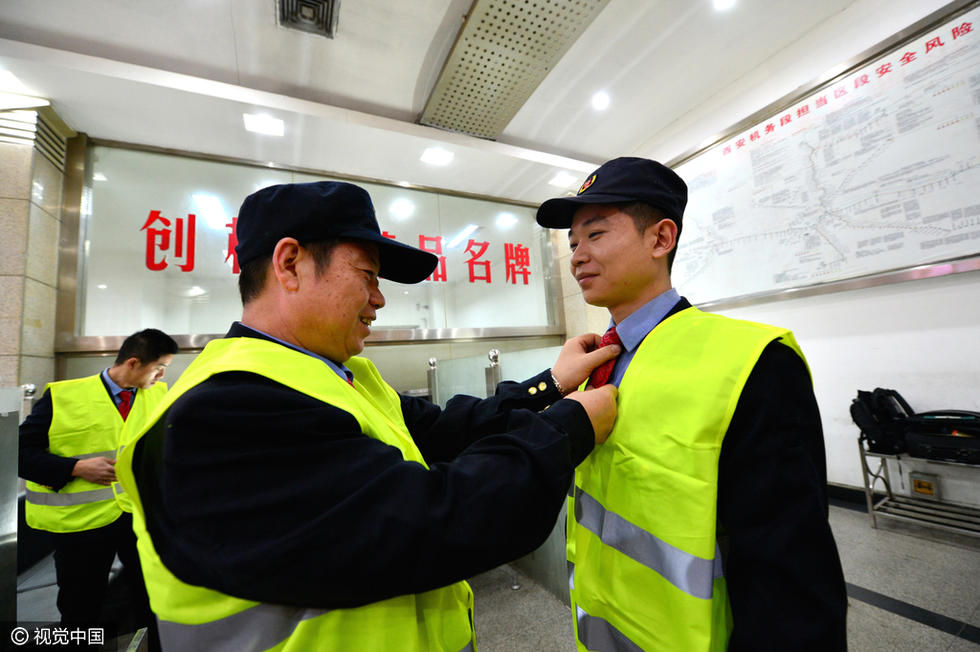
(82, 564)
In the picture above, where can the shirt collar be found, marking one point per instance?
(110, 383)
(638, 325)
(339, 369)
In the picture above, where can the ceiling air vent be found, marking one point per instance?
(502, 53)
(312, 16)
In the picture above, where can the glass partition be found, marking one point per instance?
(158, 250)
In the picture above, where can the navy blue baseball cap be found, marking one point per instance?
(322, 210)
(621, 180)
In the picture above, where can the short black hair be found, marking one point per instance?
(251, 278)
(644, 216)
(147, 345)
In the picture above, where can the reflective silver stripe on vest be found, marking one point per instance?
(692, 575)
(64, 500)
(598, 634)
(87, 456)
(253, 630)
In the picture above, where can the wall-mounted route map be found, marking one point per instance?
(878, 171)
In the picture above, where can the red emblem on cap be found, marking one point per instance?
(588, 183)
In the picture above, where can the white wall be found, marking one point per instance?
(919, 337)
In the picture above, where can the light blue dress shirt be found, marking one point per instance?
(115, 389)
(637, 326)
(338, 369)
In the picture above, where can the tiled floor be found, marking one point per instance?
(917, 591)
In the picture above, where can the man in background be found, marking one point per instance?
(67, 455)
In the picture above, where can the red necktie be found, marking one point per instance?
(600, 376)
(125, 402)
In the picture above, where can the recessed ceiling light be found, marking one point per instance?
(102, 286)
(600, 101)
(98, 176)
(402, 208)
(506, 220)
(563, 180)
(722, 5)
(195, 291)
(437, 156)
(262, 123)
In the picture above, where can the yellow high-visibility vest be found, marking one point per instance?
(85, 423)
(195, 618)
(645, 571)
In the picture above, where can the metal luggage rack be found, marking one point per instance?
(922, 511)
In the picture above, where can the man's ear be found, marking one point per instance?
(285, 257)
(132, 363)
(661, 238)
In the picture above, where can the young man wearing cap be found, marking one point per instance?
(67, 454)
(287, 498)
(702, 523)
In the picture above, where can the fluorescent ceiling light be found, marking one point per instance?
(465, 233)
(722, 5)
(98, 176)
(402, 208)
(600, 101)
(506, 220)
(102, 286)
(10, 84)
(437, 156)
(212, 210)
(261, 123)
(195, 291)
(563, 180)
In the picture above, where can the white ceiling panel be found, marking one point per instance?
(179, 73)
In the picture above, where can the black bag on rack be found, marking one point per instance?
(891, 426)
(882, 416)
(950, 435)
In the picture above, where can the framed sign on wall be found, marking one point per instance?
(869, 174)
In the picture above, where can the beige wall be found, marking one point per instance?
(30, 202)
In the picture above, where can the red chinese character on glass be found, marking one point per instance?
(907, 58)
(932, 44)
(785, 120)
(390, 236)
(803, 110)
(517, 258)
(740, 142)
(821, 101)
(883, 69)
(433, 244)
(158, 239)
(962, 30)
(754, 136)
(473, 261)
(727, 150)
(232, 243)
(860, 81)
(839, 93)
(770, 128)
